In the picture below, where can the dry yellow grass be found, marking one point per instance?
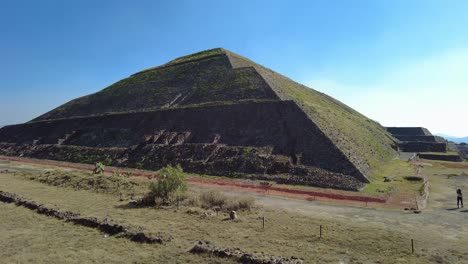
(396, 169)
(27, 237)
(287, 233)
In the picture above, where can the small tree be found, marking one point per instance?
(172, 182)
(99, 168)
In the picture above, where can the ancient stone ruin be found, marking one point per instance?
(205, 247)
(420, 140)
(106, 225)
(214, 112)
(417, 139)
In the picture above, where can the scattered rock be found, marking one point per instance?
(85, 221)
(233, 215)
(205, 247)
(194, 211)
(200, 212)
(208, 213)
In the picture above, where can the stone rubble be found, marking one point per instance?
(205, 247)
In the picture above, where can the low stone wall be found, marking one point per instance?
(106, 225)
(210, 159)
(413, 138)
(423, 147)
(313, 177)
(409, 131)
(203, 247)
(424, 194)
(67, 153)
(455, 158)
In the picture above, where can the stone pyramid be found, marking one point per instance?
(214, 112)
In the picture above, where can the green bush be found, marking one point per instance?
(99, 168)
(171, 184)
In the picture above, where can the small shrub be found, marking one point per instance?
(215, 199)
(212, 199)
(246, 203)
(99, 168)
(172, 183)
(191, 199)
(240, 204)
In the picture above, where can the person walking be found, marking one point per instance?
(459, 198)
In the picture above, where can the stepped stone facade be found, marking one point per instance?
(213, 112)
(417, 139)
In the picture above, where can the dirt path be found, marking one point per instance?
(441, 216)
(452, 224)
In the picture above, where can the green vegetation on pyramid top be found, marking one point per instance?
(206, 54)
(198, 55)
(196, 82)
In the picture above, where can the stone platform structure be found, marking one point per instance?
(417, 139)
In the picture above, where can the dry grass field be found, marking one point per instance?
(350, 234)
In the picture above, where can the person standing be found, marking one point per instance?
(459, 198)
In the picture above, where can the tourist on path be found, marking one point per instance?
(459, 198)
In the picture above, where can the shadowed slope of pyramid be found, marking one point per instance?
(365, 142)
(214, 112)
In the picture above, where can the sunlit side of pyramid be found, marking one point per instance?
(213, 112)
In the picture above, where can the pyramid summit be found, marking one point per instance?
(204, 77)
(213, 112)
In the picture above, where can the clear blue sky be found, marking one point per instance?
(398, 62)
